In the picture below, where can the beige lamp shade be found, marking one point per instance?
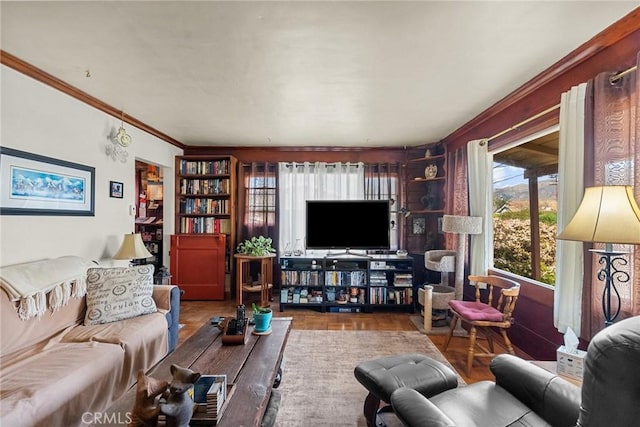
(459, 224)
(607, 214)
(132, 248)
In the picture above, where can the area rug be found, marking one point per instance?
(418, 322)
(318, 386)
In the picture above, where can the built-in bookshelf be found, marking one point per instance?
(347, 284)
(206, 201)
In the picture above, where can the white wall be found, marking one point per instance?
(39, 119)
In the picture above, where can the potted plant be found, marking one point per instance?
(262, 318)
(256, 246)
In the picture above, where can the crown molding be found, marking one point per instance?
(35, 73)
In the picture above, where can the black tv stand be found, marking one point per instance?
(349, 283)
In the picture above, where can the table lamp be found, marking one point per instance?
(461, 225)
(607, 214)
(133, 248)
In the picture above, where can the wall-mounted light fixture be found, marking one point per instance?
(119, 142)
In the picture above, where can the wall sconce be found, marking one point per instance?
(120, 141)
(607, 214)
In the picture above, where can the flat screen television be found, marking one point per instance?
(348, 224)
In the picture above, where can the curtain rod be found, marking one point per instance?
(612, 79)
(524, 122)
(621, 74)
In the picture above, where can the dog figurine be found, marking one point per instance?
(179, 400)
(146, 410)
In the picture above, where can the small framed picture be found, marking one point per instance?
(116, 189)
(418, 226)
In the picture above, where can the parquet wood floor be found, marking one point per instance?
(194, 313)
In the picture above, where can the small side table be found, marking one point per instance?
(243, 276)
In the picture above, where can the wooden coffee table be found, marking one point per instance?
(250, 369)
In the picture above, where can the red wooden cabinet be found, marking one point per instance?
(198, 265)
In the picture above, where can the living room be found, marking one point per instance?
(45, 116)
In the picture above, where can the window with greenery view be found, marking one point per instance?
(525, 209)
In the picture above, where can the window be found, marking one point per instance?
(381, 183)
(257, 202)
(525, 208)
(299, 182)
(261, 199)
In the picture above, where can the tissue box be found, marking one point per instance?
(569, 363)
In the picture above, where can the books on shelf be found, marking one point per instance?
(204, 206)
(400, 296)
(205, 167)
(215, 186)
(403, 279)
(345, 278)
(378, 295)
(303, 278)
(200, 225)
(378, 278)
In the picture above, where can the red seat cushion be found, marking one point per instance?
(473, 310)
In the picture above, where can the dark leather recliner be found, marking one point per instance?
(526, 395)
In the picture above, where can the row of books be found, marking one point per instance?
(345, 278)
(205, 167)
(305, 278)
(402, 296)
(377, 295)
(201, 225)
(382, 295)
(204, 206)
(214, 186)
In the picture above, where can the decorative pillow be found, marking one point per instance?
(119, 293)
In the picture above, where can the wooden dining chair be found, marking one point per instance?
(485, 313)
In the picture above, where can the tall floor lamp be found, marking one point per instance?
(607, 214)
(462, 226)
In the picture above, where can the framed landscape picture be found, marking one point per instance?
(37, 185)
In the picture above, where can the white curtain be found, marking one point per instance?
(479, 167)
(299, 182)
(569, 255)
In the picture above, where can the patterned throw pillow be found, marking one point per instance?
(119, 293)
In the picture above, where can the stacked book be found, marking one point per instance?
(215, 399)
(378, 278)
(403, 280)
(210, 392)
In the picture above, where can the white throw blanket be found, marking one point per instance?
(29, 283)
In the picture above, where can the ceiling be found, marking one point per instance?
(299, 73)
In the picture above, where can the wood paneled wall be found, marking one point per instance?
(615, 49)
(307, 154)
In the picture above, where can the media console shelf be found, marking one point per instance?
(347, 284)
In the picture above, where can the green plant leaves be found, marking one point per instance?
(256, 246)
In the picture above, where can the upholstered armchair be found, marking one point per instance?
(526, 395)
